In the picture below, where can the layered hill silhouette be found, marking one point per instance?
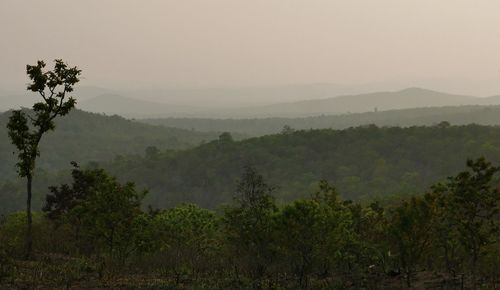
(455, 115)
(13, 100)
(380, 101)
(130, 107)
(317, 100)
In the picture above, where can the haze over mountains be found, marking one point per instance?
(251, 102)
(10, 99)
(129, 107)
(379, 101)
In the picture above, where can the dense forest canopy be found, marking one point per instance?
(364, 163)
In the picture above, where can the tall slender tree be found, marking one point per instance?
(26, 128)
(249, 225)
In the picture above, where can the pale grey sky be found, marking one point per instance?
(165, 43)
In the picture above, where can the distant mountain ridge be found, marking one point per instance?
(493, 100)
(114, 103)
(379, 101)
(130, 107)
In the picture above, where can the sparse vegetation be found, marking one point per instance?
(104, 239)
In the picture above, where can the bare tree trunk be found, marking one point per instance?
(474, 263)
(29, 232)
(408, 278)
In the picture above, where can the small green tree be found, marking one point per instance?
(186, 239)
(411, 231)
(365, 244)
(249, 226)
(341, 240)
(307, 232)
(152, 152)
(102, 212)
(225, 137)
(286, 130)
(27, 128)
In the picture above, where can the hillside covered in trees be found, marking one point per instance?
(428, 116)
(361, 208)
(84, 137)
(363, 163)
(249, 145)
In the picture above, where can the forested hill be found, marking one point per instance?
(458, 115)
(364, 162)
(84, 137)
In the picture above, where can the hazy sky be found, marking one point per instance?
(165, 43)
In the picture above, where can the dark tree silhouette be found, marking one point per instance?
(472, 204)
(249, 224)
(27, 128)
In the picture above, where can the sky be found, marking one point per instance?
(218, 43)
